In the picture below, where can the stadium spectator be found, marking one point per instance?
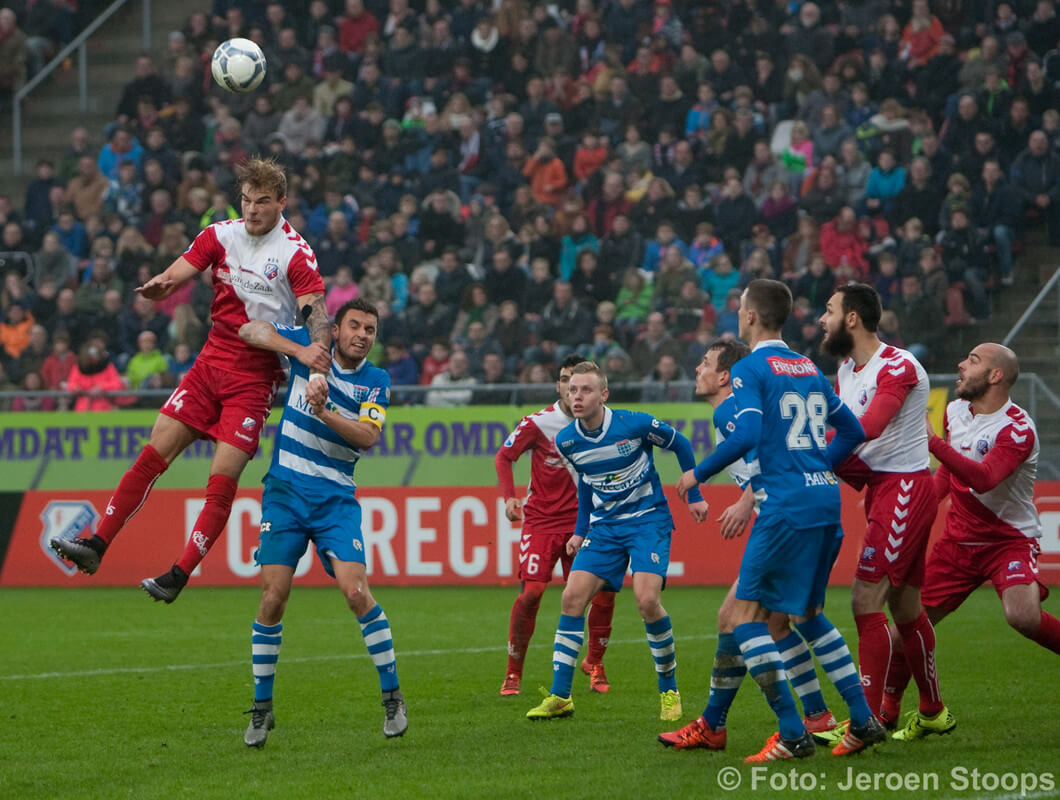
(147, 366)
(452, 386)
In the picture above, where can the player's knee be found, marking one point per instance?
(1023, 620)
(779, 626)
(273, 604)
(650, 608)
(359, 599)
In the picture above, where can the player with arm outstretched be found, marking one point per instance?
(988, 461)
(327, 425)
(623, 522)
(549, 515)
(887, 389)
(713, 383)
(262, 269)
(783, 403)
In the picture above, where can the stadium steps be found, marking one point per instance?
(50, 112)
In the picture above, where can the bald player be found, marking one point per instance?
(988, 461)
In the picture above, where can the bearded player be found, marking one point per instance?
(549, 514)
(988, 463)
(887, 389)
(262, 269)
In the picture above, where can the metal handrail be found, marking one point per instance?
(1037, 301)
(77, 44)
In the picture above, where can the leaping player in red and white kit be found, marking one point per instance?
(887, 389)
(988, 463)
(262, 270)
(549, 515)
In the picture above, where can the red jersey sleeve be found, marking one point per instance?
(302, 271)
(1011, 449)
(206, 250)
(893, 385)
(525, 437)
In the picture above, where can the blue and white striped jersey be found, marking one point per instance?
(745, 468)
(307, 452)
(616, 468)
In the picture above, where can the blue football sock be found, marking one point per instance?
(725, 679)
(798, 665)
(265, 643)
(763, 662)
(828, 645)
(661, 642)
(570, 634)
(375, 628)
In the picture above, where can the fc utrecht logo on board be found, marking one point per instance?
(66, 519)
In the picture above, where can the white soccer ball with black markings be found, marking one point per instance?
(238, 65)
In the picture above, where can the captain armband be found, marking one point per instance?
(373, 413)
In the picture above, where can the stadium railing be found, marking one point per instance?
(1052, 284)
(78, 44)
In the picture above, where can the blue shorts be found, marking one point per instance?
(786, 569)
(290, 519)
(609, 549)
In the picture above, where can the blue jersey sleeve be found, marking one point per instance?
(663, 434)
(298, 336)
(747, 430)
(848, 433)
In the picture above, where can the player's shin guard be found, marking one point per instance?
(874, 655)
(918, 643)
(522, 623)
(798, 666)
(828, 645)
(763, 662)
(1049, 632)
(131, 493)
(725, 679)
(265, 643)
(375, 628)
(570, 633)
(661, 642)
(600, 613)
(220, 491)
(898, 675)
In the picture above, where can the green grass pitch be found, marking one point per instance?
(105, 694)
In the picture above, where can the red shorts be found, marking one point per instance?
(230, 407)
(538, 554)
(899, 511)
(956, 569)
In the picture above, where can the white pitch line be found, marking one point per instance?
(91, 673)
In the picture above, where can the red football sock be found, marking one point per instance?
(131, 492)
(220, 491)
(874, 655)
(600, 613)
(1048, 632)
(918, 643)
(897, 679)
(521, 626)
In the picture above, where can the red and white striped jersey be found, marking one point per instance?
(254, 278)
(991, 461)
(901, 384)
(552, 499)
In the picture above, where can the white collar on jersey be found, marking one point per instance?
(603, 428)
(771, 343)
(342, 371)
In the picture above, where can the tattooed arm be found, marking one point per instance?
(316, 318)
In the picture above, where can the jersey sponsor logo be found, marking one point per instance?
(982, 447)
(66, 519)
(249, 423)
(266, 527)
(243, 437)
(655, 438)
(822, 478)
(793, 367)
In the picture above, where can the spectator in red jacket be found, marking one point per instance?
(93, 375)
(356, 26)
(842, 245)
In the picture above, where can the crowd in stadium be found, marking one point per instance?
(511, 182)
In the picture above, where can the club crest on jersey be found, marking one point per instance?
(625, 447)
(66, 519)
(272, 268)
(249, 423)
(868, 553)
(863, 398)
(982, 447)
(730, 426)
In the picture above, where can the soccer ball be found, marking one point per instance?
(238, 65)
